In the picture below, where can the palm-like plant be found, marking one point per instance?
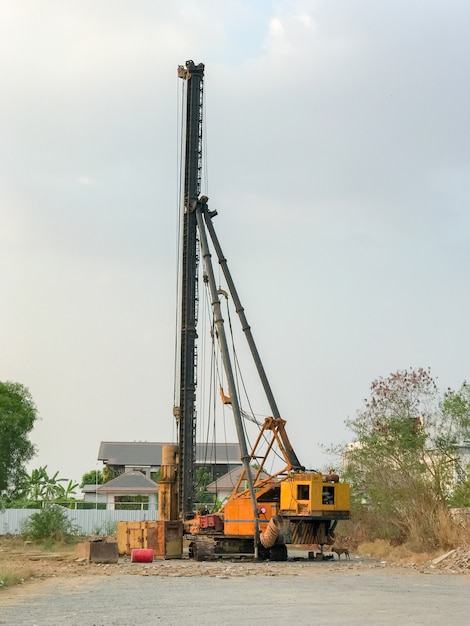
(39, 486)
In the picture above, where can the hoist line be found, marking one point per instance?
(211, 402)
(216, 375)
(217, 379)
(205, 167)
(293, 460)
(201, 370)
(245, 456)
(245, 414)
(178, 202)
(237, 370)
(217, 384)
(239, 375)
(208, 398)
(251, 417)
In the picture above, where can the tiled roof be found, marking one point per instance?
(228, 481)
(89, 488)
(149, 453)
(129, 482)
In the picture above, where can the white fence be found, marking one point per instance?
(87, 521)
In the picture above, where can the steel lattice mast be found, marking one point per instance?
(194, 77)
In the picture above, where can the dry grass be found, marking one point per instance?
(404, 554)
(13, 549)
(14, 575)
(423, 530)
(425, 535)
(9, 542)
(420, 547)
(11, 574)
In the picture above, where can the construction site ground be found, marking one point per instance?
(60, 589)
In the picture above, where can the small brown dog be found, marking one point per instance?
(340, 551)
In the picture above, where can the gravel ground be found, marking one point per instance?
(183, 593)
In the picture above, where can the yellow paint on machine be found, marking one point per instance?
(165, 538)
(310, 495)
(301, 495)
(238, 516)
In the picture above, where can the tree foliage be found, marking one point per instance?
(460, 496)
(93, 477)
(18, 415)
(112, 471)
(404, 460)
(40, 487)
(203, 479)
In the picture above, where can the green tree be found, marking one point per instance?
(93, 477)
(18, 415)
(458, 403)
(460, 496)
(40, 487)
(403, 462)
(65, 492)
(112, 471)
(51, 484)
(156, 476)
(34, 485)
(203, 478)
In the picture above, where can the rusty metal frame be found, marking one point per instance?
(278, 435)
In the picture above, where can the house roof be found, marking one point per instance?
(89, 488)
(148, 453)
(130, 482)
(228, 481)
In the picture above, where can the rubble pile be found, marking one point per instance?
(457, 560)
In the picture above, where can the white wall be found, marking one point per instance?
(89, 521)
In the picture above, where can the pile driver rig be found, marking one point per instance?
(265, 512)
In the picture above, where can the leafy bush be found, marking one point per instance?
(404, 458)
(460, 497)
(49, 523)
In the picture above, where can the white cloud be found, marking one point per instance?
(85, 180)
(308, 21)
(276, 27)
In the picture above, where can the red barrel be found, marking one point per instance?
(141, 555)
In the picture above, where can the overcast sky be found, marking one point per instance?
(338, 158)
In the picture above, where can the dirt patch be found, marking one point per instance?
(452, 561)
(38, 564)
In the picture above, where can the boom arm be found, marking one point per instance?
(219, 322)
(289, 453)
